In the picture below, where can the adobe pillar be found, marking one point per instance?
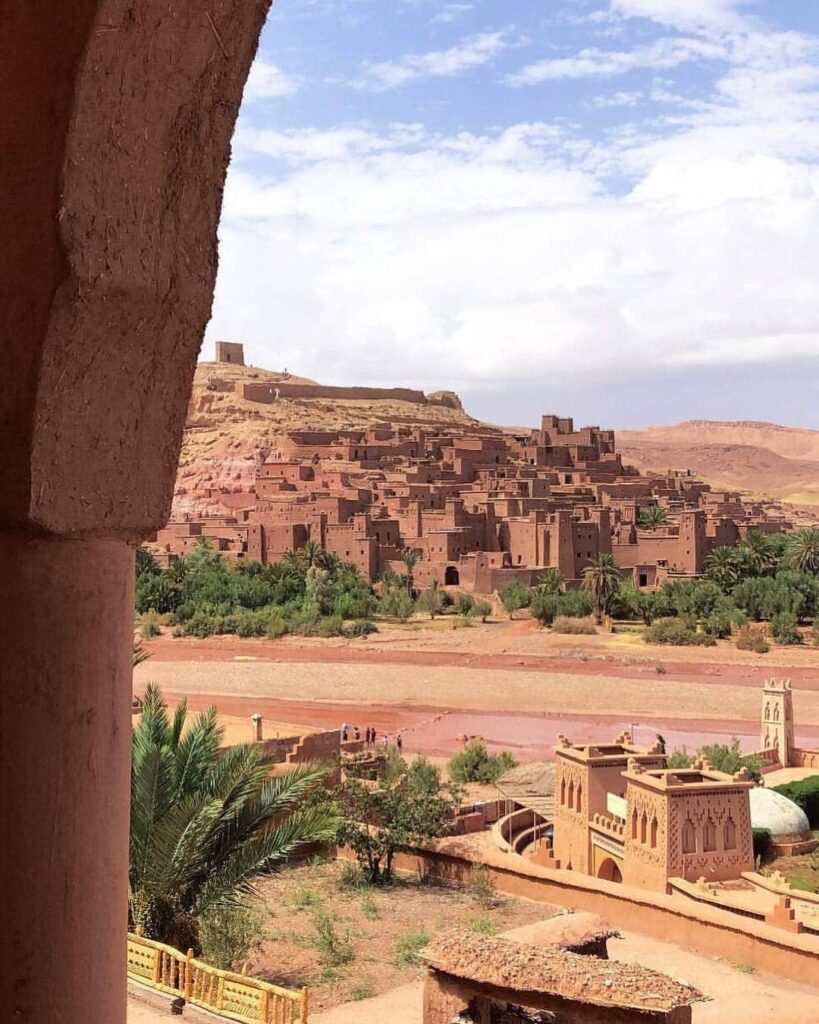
(116, 125)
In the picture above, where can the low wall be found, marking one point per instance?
(700, 927)
(267, 393)
(805, 758)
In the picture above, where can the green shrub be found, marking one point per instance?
(729, 758)
(433, 601)
(200, 625)
(783, 629)
(396, 604)
(676, 632)
(804, 793)
(548, 605)
(483, 925)
(483, 609)
(329, 625)
(408, 948)
(355, 604)
(334, 947)
(476, 764)
(361, 990)
(515, 597)
(578, 627)
(762, 843)
(463, 622)
(276, 625)
(228, 934)
(368, 907)
(362, 627)
(465, 604)
(482, 887)
(351, 877)
(149, 629)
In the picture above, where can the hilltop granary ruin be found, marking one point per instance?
(479, 506)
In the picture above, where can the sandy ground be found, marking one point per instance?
(515, 685)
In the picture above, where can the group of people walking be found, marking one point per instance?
(353, 732)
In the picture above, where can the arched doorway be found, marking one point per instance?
(452, 577)
(609, 871)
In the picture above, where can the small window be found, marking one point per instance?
(643, 580)
(689, 837)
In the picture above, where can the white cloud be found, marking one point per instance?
(618, 99)
(450, 13)
(471, 52)
(267, 81)
(686, 14)
(495, 261)
(669, 52)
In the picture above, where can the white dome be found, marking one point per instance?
(778, 814)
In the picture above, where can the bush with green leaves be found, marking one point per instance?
(676, 632)
(395, 603)
(432, 600)
(475, 764)
(804, 793)
(724, 757)
(514, 597)
(308, 592)
(784, 629)
(408, 948)
(482, 609)
(548, 605)
(334, 946)
(228, 934)
(362, 627)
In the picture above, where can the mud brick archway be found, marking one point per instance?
(116, 124)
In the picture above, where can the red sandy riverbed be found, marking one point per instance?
(515, 685)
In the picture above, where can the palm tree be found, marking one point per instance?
(802, 550)
(140, 654)
(205, 822)
(652, 516)
(410, 560)
(722, 565)
(761, 552)
(601, 578)
(551, 581)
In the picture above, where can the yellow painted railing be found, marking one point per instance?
(234, 996)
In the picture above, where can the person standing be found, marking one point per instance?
(399, 742)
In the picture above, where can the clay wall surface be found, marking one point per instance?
(267, 393)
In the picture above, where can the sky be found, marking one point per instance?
(607, 209)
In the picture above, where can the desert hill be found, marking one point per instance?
(225, 433)
(763, 458)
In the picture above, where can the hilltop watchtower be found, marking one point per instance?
(230, 352)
